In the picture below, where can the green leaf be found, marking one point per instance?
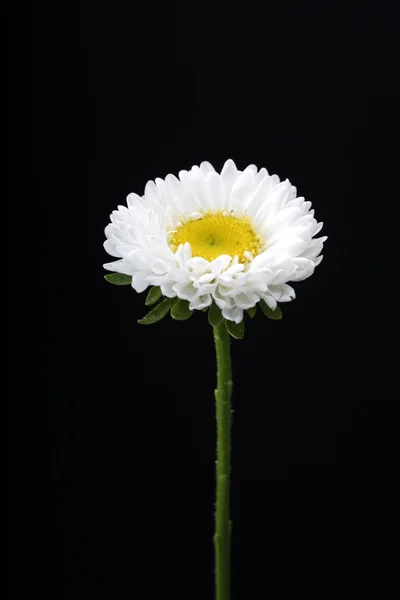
(252, 312)
(181, 311)
(157, 313)
(118, 279)
(215, 317)
(154, 294)
(275, 315)
(236, 330)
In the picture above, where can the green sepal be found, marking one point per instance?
(252, 311)
(118, 279)
(157, 313)
(215, 317)
(153, 296)
(275, 315)
(181, 311)
(236, 330)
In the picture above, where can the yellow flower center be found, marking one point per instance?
(216, 234)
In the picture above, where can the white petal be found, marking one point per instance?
(246, 301)
(217, 192)
(313, 248)
(110, 246)
(205, 278)
(318, 228)
(221, 301)
(318, 260)
(183, 254)
(262, 173)
(112, 266)
(220, 264)
(206, 168)
(175, 192)
(259, 197)
(140, 281)
(229, 174)
(282, 293)
(167, 289)
(150, 190)
(243, 187)
(233, 314)
(206, 288)
(229, 170)
(270, 301)
(185, 290)
(202, 193)
(133, 200)
(198, 265)
(200, 302)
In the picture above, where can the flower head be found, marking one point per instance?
(236, 238)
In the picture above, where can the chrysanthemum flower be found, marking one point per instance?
(237, 237)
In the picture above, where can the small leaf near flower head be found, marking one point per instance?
(157, 313)
(154, 294)
(275, 315)
(118, 279)
(215, 317)
(236, 330)
(252, 312)
(181, 311)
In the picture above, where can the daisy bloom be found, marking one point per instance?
(235, 237)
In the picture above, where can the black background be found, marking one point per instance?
(124, 93)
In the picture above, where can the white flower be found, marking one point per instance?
(235, 237)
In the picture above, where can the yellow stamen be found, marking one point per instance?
(216, 234)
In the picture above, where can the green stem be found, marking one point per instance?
(222, 536)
